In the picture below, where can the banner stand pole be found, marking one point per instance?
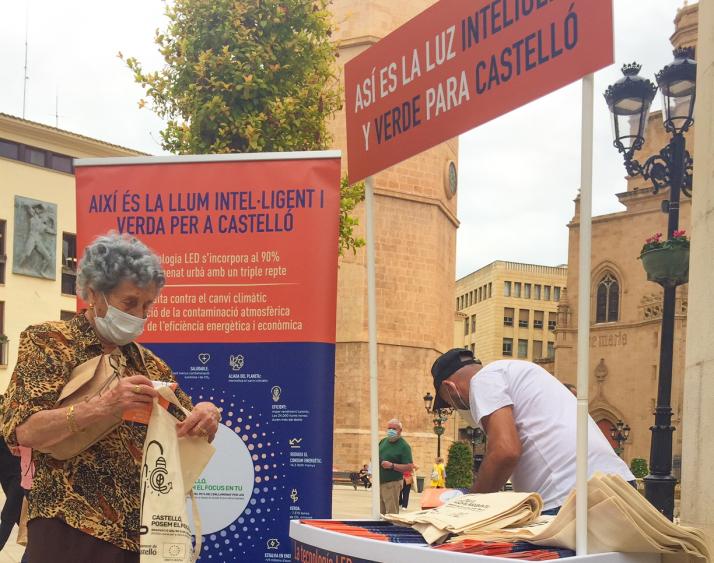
(586, 180)
(372, 331)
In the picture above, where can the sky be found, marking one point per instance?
(518, 174)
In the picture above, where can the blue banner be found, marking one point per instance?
(273, 449)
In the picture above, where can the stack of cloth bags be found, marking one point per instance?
(619, 519)
(469, 514)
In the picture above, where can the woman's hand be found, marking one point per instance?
(134, 391)
(203, 421)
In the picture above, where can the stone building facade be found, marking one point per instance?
(625, 308)
(508, 310)
(415, 241)
(36, 166)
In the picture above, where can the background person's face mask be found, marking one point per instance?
(118, 327)
(392, 434)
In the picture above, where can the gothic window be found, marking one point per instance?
(607, 300)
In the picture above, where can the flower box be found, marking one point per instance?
(667, 261)
(667, 265)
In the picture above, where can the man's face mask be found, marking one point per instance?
(462, 407)
(392, 434)
(456, 401)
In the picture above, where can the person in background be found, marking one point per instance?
(407, 481)
(365, 475)
(86, 508)
(438, 474)
(528, 416)
(395, 458)
(572, 388)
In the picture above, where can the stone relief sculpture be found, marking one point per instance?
(35, 238)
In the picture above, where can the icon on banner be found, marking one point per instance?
(273, 543)
(295, 442)
(294, 496)
(276, 392)
(237, 362)
(203, 358)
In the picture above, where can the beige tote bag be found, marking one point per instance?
(94, 377)
(169, 468)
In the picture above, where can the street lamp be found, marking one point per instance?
(620, 434)
(629, 101)
(477, 437)
(440, 417)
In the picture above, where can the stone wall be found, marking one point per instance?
(415, 242)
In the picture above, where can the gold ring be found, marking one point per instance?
(136, 389)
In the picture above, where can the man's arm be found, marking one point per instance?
(401, 467)
(503, 451)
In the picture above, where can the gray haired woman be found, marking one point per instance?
(86, 508)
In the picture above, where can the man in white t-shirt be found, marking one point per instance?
(529, 418)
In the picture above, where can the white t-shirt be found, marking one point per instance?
(545, 414)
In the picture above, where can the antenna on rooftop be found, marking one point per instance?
(25, 76)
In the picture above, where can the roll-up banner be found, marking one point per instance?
(246, 320)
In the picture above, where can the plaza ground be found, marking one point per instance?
(346, 503)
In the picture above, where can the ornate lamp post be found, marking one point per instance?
(440, 417)
(620, 434)
(629, 101)
(477, 438)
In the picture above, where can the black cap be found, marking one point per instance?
(447, 365)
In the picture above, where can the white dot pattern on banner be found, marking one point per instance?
(252, 532)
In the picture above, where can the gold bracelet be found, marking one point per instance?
(71, 422)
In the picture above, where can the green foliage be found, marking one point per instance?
(350, 196)
(247, 76)
(244, 76)
(459, 466)
(639, 468)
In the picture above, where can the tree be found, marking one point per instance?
(459, 465)
(639, 469)
(248, 76)
(350, 196)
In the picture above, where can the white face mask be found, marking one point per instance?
(117, 326)
(464, 413)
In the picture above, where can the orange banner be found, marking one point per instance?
(461, 63)
(237, 241)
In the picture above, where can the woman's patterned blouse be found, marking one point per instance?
(96, 491)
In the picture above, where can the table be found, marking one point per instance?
(315, 545)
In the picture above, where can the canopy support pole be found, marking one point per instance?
(586, 182)
(372, 346)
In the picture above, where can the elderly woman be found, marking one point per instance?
(86, 508)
